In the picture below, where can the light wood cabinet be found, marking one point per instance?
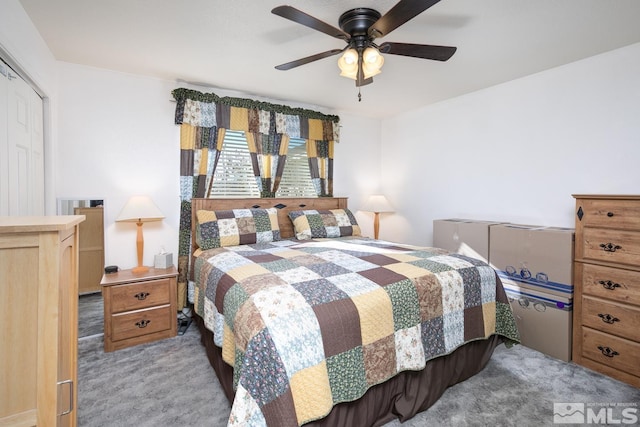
(39, 309)
(91, 249)
(139, 307)
(606, 331)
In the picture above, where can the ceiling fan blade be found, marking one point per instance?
(402, 12)
(300, 17)
(425, 51)
(306, 60)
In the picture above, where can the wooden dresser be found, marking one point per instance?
(606, 322)
(39, 312)
(139, 307)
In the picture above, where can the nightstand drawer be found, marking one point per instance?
(133, 296)
(618, 214)
(620, 247)
(611, 283)
(141, 322)
(616, 319)
(610, 351)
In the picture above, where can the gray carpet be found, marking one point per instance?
(165, 383)
(90, 315)
(170, 382)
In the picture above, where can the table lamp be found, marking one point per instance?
(140, 209)
(377, 203)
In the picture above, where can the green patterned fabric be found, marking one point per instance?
(314, 223)
(235, 227)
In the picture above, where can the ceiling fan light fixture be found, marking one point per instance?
(372, 62)
(348, 64)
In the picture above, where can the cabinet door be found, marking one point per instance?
(68, 332)
(19, 253)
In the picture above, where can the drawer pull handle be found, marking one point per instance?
(609, 214)
(140, 296)
(143, 323)
(608, 284)
(609, 247)
(608, 351)
(607, 318)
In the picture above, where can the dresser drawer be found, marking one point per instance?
(616, 319)
(611, 283)
(141, 322)
(620, 247)
(618, 214)
(134, 296)
(617, 353)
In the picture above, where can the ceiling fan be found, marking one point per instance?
(359, 28)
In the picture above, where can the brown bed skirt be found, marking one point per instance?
(401, 397)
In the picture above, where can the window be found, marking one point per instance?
(234, 173)
(296, 179)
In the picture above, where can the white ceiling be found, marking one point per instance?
(235, 44)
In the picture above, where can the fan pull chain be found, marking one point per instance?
(359, 95)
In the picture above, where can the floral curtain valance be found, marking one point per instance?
(210, 110)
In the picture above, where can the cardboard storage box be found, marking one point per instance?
(544, 320)
(540, 258)
(535, 265)
(464, 236)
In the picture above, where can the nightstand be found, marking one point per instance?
(139, 307)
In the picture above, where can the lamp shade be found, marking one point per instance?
(140, 209)
(377, 203)
(348, 64)
(371, 62)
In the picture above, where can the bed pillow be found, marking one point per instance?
(308, 224)
(234, 227)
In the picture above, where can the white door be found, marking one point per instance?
(4, 144)
(23, 170)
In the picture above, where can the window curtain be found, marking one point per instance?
(268, 156)
(320, 155)
(204, 119)
(200, 148)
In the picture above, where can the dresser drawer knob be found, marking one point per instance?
(609, 214)
(608, 351)
(140, 296)
(609, 247)
(608, 284)
(143, 323)
(607, 318)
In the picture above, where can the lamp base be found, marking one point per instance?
(140, 269)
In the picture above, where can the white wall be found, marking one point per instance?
(518, 151)
(117, 139)
(357, 165)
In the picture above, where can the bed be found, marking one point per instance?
(335, 329)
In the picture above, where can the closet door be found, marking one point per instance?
(4, 140)
(22, 147)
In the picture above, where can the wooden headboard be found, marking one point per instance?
(283, 204)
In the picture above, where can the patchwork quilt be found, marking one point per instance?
(309, 324)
